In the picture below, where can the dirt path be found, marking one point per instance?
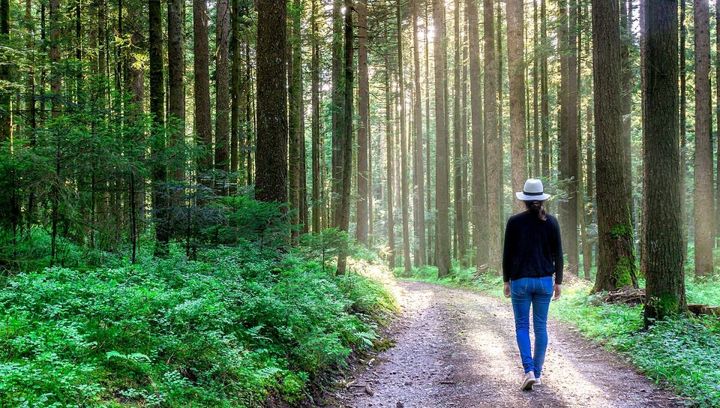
(456, 348)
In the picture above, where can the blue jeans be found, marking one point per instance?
(538, 292)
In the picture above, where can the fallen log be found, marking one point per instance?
(628, 296)
(700, 310)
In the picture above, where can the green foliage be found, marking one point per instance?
(267, 224)
(226, 330)
(705, 291)
(682, 352)
(29, 250)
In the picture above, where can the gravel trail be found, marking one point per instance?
(456, 348)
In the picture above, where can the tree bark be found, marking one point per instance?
(516, 66)
(418, 176)
(535, 78)
(589, 178)
(363, 126)
(272, 126)
(222, 94)
(428, 146)
(337, 109)
(627, 39)
(157, 111)
(236, 97)
(458, 193)
(201, 84)
(176, 86)
(5, 107)
(544, 100)
(683, 129)
(296, 113)
(347, 133)
(403, 176)
(493, 139)
(568, 136)
(665, 287)
(716, 232)
(616, 260)
(317, 204)
(442, 169)
(390, 157)
(479, 190)
(704, 225)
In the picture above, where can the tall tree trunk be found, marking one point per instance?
(235, 94)
(337, 109)
(479, 189)
(716, 232)
(418, 176)
(627, 39)
(135, 83)
(347, 132)
(176, 85)
(390, 157)
(404, 182)
(11, 209)
(272, 126)
(544, 102)
(30, 100)
(442, 169)
(616, 260)
(665, 287)
(429, 188)
(589, 177)
(704, 228)
(250, 123)
(5, 107)
(516, 66)
(363, 127)
(317, 204)
(157, 111)
(683, 129)
(501, 120)
(493, 138)
(222, 94)
(536, 114)
(568, 136)
(201, 84)
(458, 193)
(296, 113)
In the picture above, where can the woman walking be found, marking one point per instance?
(531, 256)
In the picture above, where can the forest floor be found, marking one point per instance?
(456, 348)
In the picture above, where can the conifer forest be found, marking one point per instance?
(240, 203)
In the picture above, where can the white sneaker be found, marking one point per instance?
(537, 382)
(528, 381)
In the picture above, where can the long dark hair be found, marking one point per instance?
(538, 210)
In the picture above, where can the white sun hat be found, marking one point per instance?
(532, 191)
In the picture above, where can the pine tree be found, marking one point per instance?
(442, 169)
(616, 260)
(271, 155)
(665, 288)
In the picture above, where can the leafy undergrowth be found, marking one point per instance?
(682, 352)
(232, 328)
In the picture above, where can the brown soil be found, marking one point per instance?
(456, 348)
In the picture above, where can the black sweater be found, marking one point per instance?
(532, 248)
